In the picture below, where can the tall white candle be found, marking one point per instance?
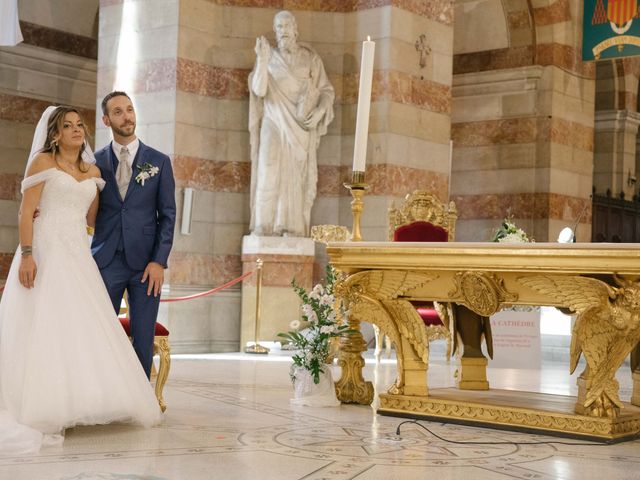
(364, 105)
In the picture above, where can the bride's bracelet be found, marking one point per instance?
(26, 250)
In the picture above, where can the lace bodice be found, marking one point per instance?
(63, 206)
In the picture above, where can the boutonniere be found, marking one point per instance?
(146, 172)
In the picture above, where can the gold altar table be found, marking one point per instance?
(470, 282)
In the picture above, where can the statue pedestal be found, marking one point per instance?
(285, 258)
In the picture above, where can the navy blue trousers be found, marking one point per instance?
(143, 308)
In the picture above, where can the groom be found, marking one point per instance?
(135, 222)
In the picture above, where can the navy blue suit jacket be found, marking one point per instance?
(145, 220)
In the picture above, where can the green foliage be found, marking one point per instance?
(325, 317)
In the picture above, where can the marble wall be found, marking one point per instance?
(56, 64)
(523, 127)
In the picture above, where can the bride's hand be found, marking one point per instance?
(27, 271)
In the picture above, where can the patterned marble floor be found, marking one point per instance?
(229, 418)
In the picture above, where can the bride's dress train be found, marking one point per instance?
(64, 358)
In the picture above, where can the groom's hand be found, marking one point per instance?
(155, 273)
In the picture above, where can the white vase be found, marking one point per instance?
(311, 394)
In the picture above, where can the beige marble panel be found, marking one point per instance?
(479, 25)
(140, 16)
(481, 230)
(560, 80)
(375, 22)
(9, 239)
(9, 213)
(374, 213)
(214, 113)
(562, 32)
(330, 150)
(210, 48)
(494, 181)
(494, 106)
(48, 75)
(200, 240)
(567, 158)
(158, 135)
(200, 269)
(492, 157)
(567, 183)
(401, 119)
(227, 237)
(411, 152)
(325, 211)
(279, 306)
(56, 15)
(579, 110)
(210, 324)
(156, 43)
(220, 207)
(200, 142)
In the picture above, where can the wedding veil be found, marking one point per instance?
(40, 137)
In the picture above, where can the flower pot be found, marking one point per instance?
(308, 393)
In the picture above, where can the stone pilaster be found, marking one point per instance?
(616, 137)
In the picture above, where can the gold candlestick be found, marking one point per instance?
(357, 187)
(352, 387)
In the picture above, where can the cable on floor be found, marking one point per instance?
(497, 443)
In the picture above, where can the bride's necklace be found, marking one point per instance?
(68, 167)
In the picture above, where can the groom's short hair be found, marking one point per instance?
(109, 96)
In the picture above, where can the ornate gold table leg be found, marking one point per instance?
(352, 388)
(635, 396)
(162, 344)
(635, 375)
(472, 374)
(471, 328)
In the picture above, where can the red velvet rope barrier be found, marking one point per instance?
(208, 292)
(198, 295)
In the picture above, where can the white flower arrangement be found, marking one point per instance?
(326, 319)
(147, 171)
(510, 233)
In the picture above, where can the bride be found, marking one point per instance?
(64, 358)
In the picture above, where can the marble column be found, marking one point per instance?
(616, 138)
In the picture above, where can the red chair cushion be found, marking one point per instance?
(428, 314)
(420, 232)
(161, 331)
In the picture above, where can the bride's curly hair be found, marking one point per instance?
(54, 127)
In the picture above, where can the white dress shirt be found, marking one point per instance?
(132, 147)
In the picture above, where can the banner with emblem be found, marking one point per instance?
(611, 29)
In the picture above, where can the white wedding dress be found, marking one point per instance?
(64, 358)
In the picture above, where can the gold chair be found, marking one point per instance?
(161, 347)
(423, 218)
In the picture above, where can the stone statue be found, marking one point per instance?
(291, 105)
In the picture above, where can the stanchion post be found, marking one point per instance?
(256, 347)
